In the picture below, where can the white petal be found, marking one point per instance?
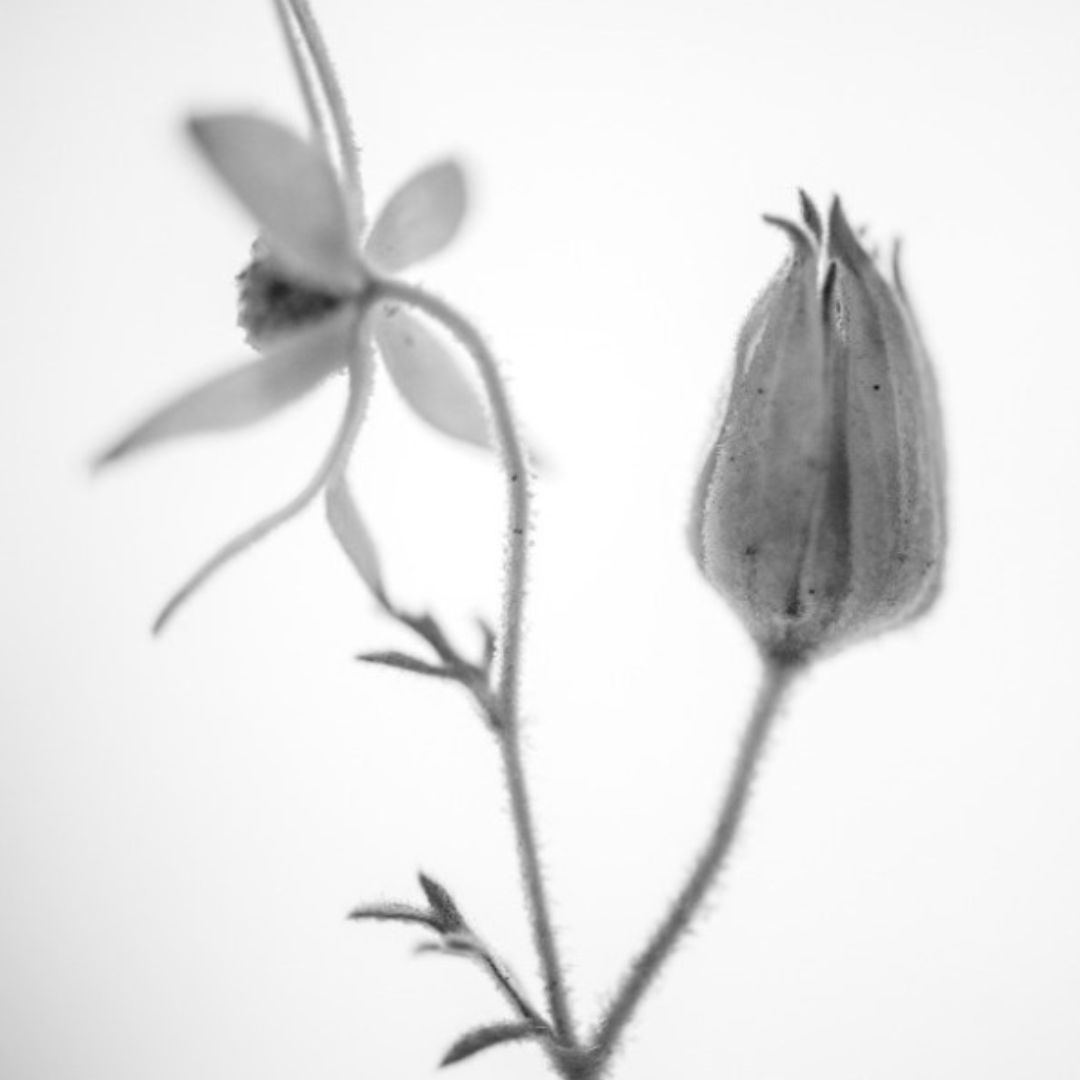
(420, 219)
(290, 368)
(352, 534)
(360, 372)
(426, 372)
(289, 187)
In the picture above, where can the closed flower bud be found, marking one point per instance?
(820, 511)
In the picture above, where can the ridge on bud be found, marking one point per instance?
(820, 511)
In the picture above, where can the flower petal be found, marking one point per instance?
(420, 219)
(290, 368)
(360, 372)
(754, 506)
(894, 443)
(352, 534)
(427, 374)
(289, 188)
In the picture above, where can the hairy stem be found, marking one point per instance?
(348, 149)
(512, 455)
(302, 68)
(776, 680)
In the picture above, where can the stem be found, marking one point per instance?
(348, 150)
(301, 67)
(776, 679)
(512, 456)
(506, 983)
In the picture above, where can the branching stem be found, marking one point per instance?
(512, 455)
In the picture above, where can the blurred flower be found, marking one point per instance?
(310, 302)
(819, 513)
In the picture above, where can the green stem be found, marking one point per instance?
(776, 680)
(512, 454)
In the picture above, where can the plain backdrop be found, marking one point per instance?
(185, 822)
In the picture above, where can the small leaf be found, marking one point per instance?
(420, 219)
(289, 188)
(290, 368)
(428, 376)
(352, 534)
(406, 663)
(442, 904)
(487, 631)
(481, 1038)
(393, 913)
(427, 627)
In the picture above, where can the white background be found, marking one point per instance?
(184, 823)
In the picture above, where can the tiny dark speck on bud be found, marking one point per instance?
(877, 386)
(761, 389)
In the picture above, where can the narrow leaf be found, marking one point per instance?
(442, 904)
(406, 663)
(352, 534)
(289, 188)
(290, 368)
(428, 376)
(487, 631)
(482, 1038)
(393, 913)
(420, 219)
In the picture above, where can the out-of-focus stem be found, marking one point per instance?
(348, 149)
(302, 68)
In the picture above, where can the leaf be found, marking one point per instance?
(428, 376)
(352, 534)
(491, 642)
(290, 368)
(406, 663)
(393, 912)
(442, 904)
(481, 1038)
(289, 187)
(421, 218)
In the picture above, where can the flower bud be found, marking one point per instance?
(819, 513)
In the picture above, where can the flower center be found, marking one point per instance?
(272, 303)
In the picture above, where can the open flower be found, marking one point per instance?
(820, 511)
(311, 303)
